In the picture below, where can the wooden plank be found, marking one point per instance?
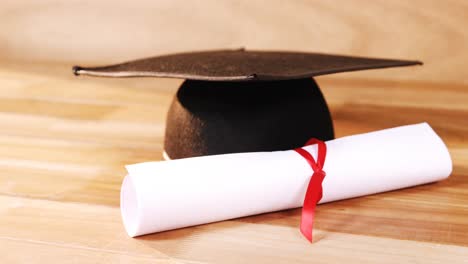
(84, 232)
(78, 141)
(39, 251)
(87, 232)
(64, 140)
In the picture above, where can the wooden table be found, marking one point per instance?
(64, 141)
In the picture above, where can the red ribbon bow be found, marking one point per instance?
(314, 189)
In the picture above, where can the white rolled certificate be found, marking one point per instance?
(159, 196)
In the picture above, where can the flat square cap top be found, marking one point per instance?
(240, 65)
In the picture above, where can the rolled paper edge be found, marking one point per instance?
(129, 207)
(445, 148)
(129, 204)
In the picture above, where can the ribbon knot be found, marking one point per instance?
(314, 189)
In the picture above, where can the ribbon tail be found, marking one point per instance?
(314, 189)
(307, 223)
(313, 196)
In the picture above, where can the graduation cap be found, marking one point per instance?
(243, 101)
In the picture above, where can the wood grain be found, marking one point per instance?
(95, 232)
(64, 140)
(110, 31)
(62, 154)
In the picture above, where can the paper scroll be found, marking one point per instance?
(159, 196)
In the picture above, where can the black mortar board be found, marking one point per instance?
(243, 101)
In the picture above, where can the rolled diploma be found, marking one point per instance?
(165, 195)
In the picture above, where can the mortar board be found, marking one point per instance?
(243, 101)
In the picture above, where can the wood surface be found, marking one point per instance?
(107, 31)
(64, 140)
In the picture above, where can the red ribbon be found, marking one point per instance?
(314, 189)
